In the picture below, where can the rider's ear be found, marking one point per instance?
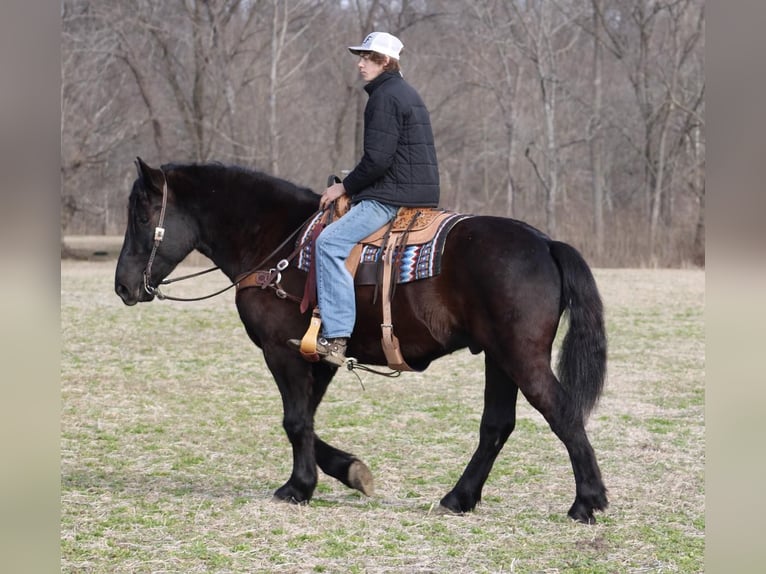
(153, 178)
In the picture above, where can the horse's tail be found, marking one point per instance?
(582, 358)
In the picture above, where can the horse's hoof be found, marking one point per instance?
(289, 500)
(288, 494)
(581, 514)
(455, 504)
(586, 519)
(442, 510)
(360, 478)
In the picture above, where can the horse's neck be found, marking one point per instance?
(253, 239)
(240, 225)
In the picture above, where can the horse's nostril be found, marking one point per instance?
(124, 294)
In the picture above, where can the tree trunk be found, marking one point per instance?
(551, 151)
(656, 199)
(597, 170)
(198, 89)
(273, 87)
(698, 254)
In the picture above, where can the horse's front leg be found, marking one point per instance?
(344, 466)
(300, 486)
(302, 386)
(294, 380)
(339, 464)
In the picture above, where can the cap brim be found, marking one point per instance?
(358, 51)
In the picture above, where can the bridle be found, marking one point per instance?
(272, 277)
(159, 235)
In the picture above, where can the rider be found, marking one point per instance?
(398, 168)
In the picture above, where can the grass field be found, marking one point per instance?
(171, 448)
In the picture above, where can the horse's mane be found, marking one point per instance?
(241, 182)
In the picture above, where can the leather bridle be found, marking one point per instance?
(270, 278)
(159, 235)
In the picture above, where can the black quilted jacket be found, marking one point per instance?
(399, 162)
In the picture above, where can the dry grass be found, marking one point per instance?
(172, 446)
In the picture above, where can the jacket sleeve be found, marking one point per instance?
(382, 124)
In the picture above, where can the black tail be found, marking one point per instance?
(582, 360)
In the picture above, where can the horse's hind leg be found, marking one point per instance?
(497, 423)
(547, 395)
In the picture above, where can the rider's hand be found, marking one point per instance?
(331, 194)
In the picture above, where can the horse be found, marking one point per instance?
(502, 290)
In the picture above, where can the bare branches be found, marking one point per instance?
(514, 89)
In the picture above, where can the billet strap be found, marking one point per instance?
(389, 341)
(381, 262)
(399, 247)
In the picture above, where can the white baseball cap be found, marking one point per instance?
(380, 42)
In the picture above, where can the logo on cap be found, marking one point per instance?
(368, 40)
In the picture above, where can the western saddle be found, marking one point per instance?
(411, 226)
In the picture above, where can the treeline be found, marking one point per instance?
(584, 118)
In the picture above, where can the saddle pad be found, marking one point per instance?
(423, 217)
(304, 257)
(418, 261)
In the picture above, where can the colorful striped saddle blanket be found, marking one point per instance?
(417, 236)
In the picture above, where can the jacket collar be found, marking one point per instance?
(376, 83)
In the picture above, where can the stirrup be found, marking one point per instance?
(308, 346)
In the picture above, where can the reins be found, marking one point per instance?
(159, 235)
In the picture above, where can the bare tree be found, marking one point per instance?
(493, 62)
(657, 41)
(288, 24)
(595, 133)
(96, 118)
(583, 117)
(544, 35)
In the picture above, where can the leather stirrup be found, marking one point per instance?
(309, 341)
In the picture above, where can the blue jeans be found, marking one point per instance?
(335, 286)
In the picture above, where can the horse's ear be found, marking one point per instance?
(153, 178)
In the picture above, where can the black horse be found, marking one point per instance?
(502, 289)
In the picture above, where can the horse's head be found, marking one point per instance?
(158, 236)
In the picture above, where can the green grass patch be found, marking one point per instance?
(172, 446)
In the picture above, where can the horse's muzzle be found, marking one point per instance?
(132, 296)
